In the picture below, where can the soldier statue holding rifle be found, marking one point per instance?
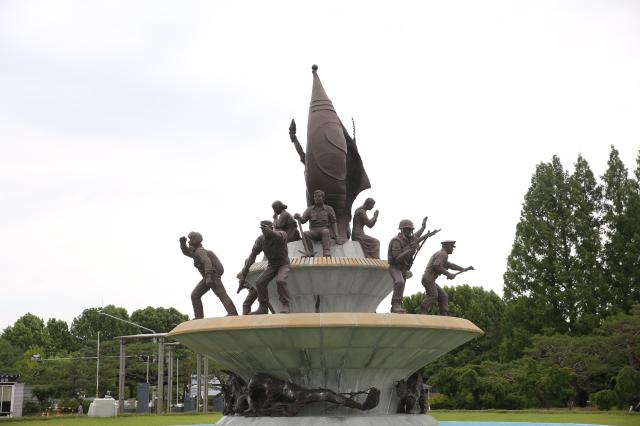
(402, 251)
(438, 265)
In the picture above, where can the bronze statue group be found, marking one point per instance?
(331, 162)
(277, 233)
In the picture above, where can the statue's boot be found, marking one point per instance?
(285, 308)
(396, 308)
(263, 309)
(246, 310)
(229, 306)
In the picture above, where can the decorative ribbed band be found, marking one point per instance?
(305, 262)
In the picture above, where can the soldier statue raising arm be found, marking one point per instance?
(402, 249)
(211, 269)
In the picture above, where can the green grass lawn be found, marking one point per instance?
(125, 420)
(614, 418)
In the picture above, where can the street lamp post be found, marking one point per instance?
(98, 365)
(122, 359)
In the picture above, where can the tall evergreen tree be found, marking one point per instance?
(540, 264)
(585, 196)
(622, 232)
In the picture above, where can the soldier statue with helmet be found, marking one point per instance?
(402, 250)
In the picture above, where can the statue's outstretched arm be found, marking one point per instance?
(294, 140)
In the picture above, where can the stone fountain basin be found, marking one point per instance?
(344, 352)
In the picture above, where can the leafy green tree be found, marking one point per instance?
(627, 386)
(86, 326)
(556, 386)
(26, 332)
(9, 355)
(58, 338)
(483, 308)
(412, 303)
(587, 357)
(161, 320)
(622, 233)
(526, 373)
(604, 399)
(622, 332)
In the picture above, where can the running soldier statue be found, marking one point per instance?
(438, 265)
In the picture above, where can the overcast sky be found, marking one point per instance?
(126, 124)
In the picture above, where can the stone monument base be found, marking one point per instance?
(382, 420)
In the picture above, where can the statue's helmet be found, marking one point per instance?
(195, 237)
(405, 223)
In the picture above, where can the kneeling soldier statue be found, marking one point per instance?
(274, 245)
(209, 266)
(438, 265)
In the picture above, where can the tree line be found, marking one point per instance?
(567, 329)
(59, 360)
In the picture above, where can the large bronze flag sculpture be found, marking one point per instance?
(332, 162)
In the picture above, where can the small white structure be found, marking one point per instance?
(103, 407)
(13, 395)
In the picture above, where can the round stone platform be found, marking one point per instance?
(343, 352)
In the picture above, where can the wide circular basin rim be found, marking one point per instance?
(325, 320)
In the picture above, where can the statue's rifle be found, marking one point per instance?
(308, 251)
(470, 268)
(244, 284)
(421, 242)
